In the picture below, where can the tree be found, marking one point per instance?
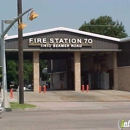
(28, 71)
(104, 25)
(12, 71)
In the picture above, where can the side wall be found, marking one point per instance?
(123, 63)
(123, 78)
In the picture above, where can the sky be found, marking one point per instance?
(65, 13)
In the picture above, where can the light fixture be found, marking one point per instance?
(33, 15)
(21, 26)
(8, 21)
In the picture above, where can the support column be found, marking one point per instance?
(36, 76)
(115, 73)
(77, 71)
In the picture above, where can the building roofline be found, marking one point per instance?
(64, 29)
(127, 39)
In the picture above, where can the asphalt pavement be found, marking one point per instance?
(69, 110)
(75, 117)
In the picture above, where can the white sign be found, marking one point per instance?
(60, 42)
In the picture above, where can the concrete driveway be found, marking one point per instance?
(72, 96)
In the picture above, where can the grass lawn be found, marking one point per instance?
(15, 105)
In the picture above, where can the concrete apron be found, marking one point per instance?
(72, 96)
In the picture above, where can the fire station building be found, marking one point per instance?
(76, 58)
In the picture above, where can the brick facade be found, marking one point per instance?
(77, 71)
(36, 75)
(123, 78)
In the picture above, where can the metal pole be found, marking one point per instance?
(5, 102)
(52, 73)
(13, 22)
(20, 55)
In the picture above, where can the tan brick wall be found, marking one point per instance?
(77, 71)
(124, 78)
(36, 75)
